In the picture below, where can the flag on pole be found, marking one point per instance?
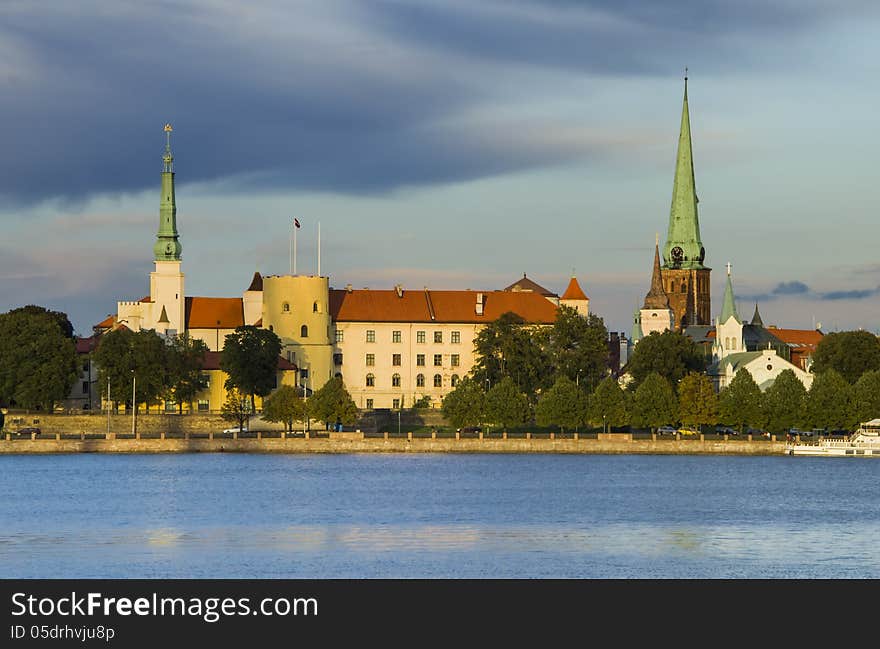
(296, 222)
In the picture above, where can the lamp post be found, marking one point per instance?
(603, 424)
(108, 405)
(133, 404)
(577, 379)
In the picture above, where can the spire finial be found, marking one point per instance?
(656, 239)
(729, 266)
(167, 159)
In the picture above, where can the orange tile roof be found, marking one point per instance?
(212, 362)
(527, 285)
(214, 312)
(437, 306)
(574, 291)
(107, 322)
(797, 337)
(86, 345)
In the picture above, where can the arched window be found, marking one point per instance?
(315, 307)
(454, 381)
(733, 344)
(438, 381)
(285, 307)
(672, 287)
(420, 380)
(371, 380)
(684, 288)
(395, 381)
(304, 332)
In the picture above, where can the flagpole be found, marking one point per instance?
(290, 246)
(319, 248)
(293, 272)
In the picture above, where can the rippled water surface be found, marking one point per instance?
(402, 516)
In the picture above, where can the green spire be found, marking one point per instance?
(167, 247)
(684, 249)
(729, 307)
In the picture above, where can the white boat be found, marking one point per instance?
(865, 442)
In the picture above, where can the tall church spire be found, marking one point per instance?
(656, 297)
(683, 248)
(167, 246)
(728, 308)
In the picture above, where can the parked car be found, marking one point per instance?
(726, 430)
(470, 429)
(28, 431)
(687, 430)
(757, 432)
(667, 430)
(236, 429)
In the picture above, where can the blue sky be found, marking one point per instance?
(447, 144)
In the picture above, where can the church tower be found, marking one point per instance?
(685, 278)
(166, 282)
(656, 314)
(729, 327)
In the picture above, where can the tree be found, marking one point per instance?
(37, 360)
(866, 397)
(284, 405)
(670, 354)
(784, 402)
(740, 404)
(250, 360)
(237, 407)
(506, 405)
(510, 347)
(59, 317)
(332, 403)
(186, 356)
(466, 404)
(563, 404)
(579, 347)
(133, 359)
(608, 404)
(654, 403)
(697, 401)
(829, 402)
(852, 353)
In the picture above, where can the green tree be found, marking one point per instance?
(332, 403)
(866, 397)
(284, 405)
(59, 317)
(466, 404)
(510, 347)
(38, 362)
(506, 406)
(784, 403)
(670, 354)
(130, 359)
(608, 404)
(852, 353)
(741, 403)
(236, 408)
(829, 402)
(579, 347)
(186, 356)
(697, 401)
(250, 359)
(563, 405)
(654, 403)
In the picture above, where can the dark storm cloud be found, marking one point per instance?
(350, 98)
(850, 295)
(799, 289)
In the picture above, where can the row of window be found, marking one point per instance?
(171, 406)
(420, 381)
(285, 308)
(397, 360)
(397, 336)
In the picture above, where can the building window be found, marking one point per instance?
(304, 332)
(420, 380)
(438, 336)
(684, 287)
(337, 359)
(371, 335)
(395, 404)
(369, 404)
(455, 380)
(733, 343)
(371, 360)
(454, 360)
(395, 360)
(420, 336)
(304, 374)
(420, 360)
(438, 381)
(85, 387)
(285, 307)
(339, 335)
(395, 381)
(371, 382)
(203, 405)
(395, 336)
(291, 356)
(438, 360)
(456, 337)
(315, 307)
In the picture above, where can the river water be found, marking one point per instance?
(429, 516)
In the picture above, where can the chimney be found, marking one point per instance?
(348, 288)
(479, 305)
(398, 288)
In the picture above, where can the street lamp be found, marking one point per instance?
(133, 404)
(603, 424)
(577, 379)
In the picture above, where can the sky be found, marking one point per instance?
(446, 144)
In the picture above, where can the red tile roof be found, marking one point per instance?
(212, 362)
(86, 345)
(107, 322)
(797, 337)
(528, 286)
(214, 312)
(574, 291)
(437, 306)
